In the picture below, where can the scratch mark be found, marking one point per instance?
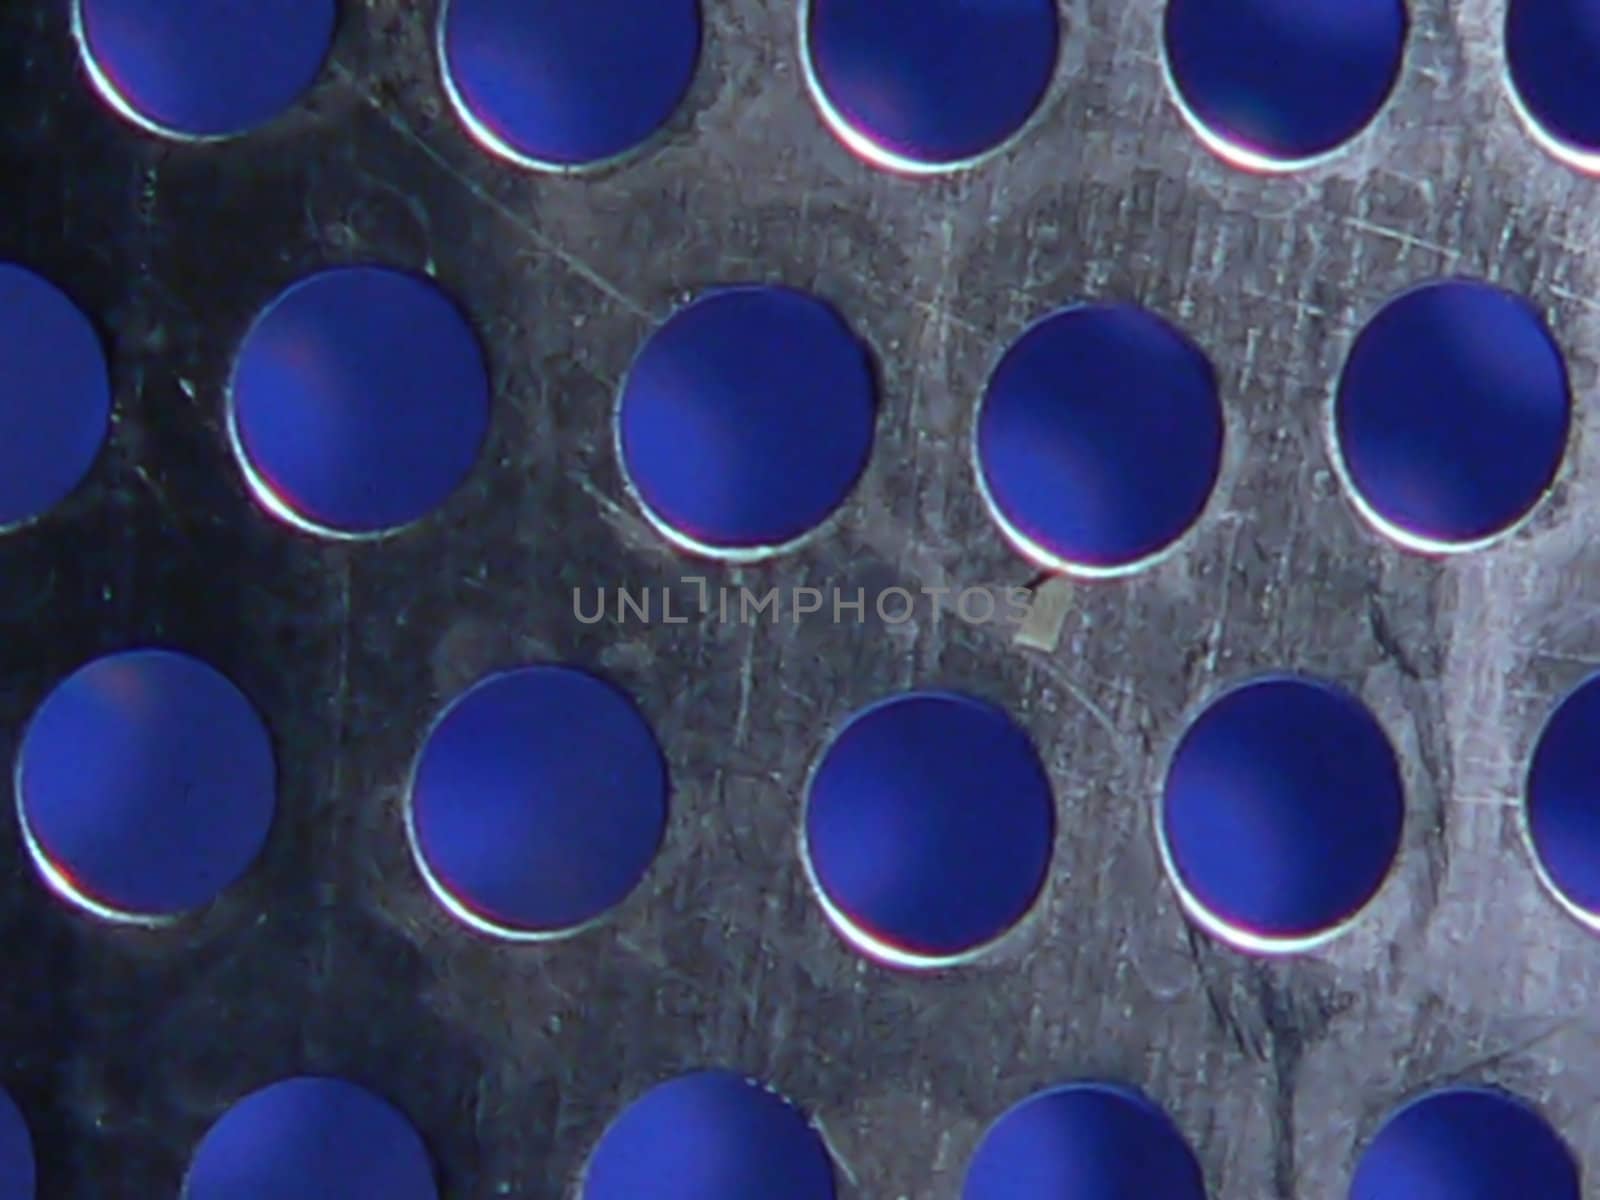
(634, 529)
(1483, 801)
(1408, 240)
(1388, 641)
(833, 1152)
(741, 720)
(341, 685)
(587, 487)
(1478, 1065)
(939, 310)
(658, 962)
(1221, 1011)
(1220, 621)
(1094, 710)
(1572, 297)
(574, 262)
(156, 490)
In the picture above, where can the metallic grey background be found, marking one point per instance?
(123, 1045)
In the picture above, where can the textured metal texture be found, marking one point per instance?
(123, 1045)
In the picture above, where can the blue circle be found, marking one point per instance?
(1284, 81)
(747, 419)
(311, 1137)
(929, 826)
(1466, 1144)
(712, 1135)
(563, 85)
(540, 800)
(55, 405)
(930, 83)
(1100, 437)
(1283, 810)
(205, 68)
(16, 1153)
(1452, 414)
(146, 784)
(1553, 58)
(360, 401)
(1087, 1141)
(1563, 798)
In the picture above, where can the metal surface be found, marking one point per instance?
(123, 1045)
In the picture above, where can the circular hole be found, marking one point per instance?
(921, 86)
(359, 402)
(1099, 439)
(203, 70)
(1465, 1142)
(145, 786)
(56, 403)
(1089, 1141)
(1563, 802)
(559, 86)
(1272, 85)
(1553, 69)
(746, 420)
(538, 802)
(16, 1153)
(710, 1136)
(1282, 814)
(1451, 416)
(311, 1137)
(928, 828)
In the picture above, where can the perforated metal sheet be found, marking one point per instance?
(123, 1046)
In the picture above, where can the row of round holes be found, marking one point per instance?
(360, 401)
(146, 784)
(714, 1135)
(917, 86)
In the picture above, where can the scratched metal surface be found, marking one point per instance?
(124, 1045)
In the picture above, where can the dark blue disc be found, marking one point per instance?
(560, 84)
(1466, 1144)
(55, 396)
(360, 401)
(1563, 799)
(929, 84)
(311, 1137)
(710, 1136)
(929, 827)
(16, 1153)
(539, 801)
(1282, 812)
(1087, 1141)
(204, 68)
(1100, 438)
(1278, 82)
(746, 419)
(146, 785)
(1553, 59)
(1452, 414)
